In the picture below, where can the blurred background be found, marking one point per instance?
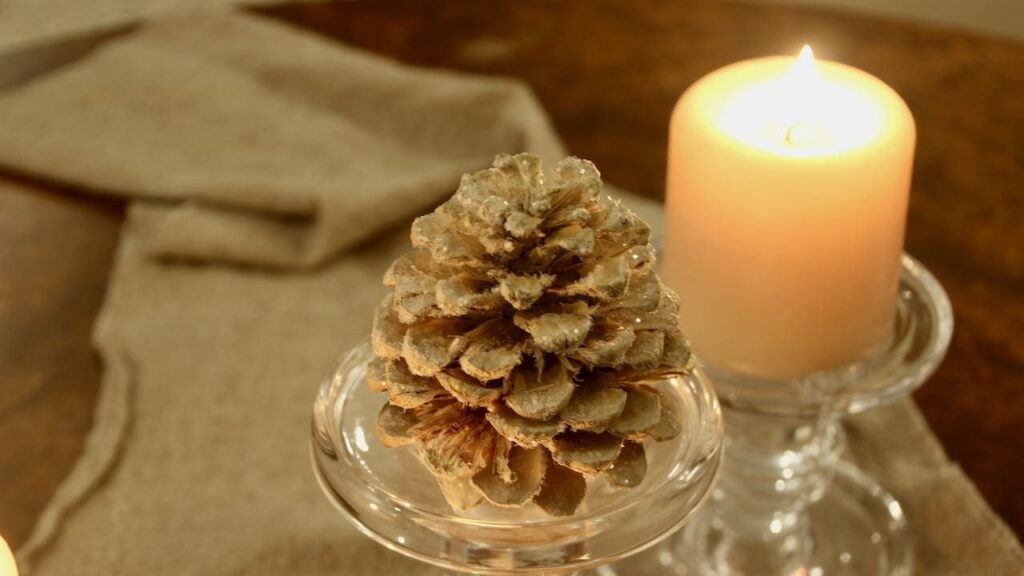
(25, 21)
(959, 64)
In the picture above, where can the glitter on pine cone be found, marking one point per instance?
(520, 338)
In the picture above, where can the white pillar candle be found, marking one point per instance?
(787, 194)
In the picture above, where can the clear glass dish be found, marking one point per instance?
(389, 495)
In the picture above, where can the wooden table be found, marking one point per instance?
(608, 73)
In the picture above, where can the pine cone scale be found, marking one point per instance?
(540, 394)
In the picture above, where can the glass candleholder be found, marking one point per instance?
(786, 503)
(390, 496)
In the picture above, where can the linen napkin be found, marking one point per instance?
(277, 156)
(272, 177)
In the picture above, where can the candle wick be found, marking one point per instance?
(793, 135)
(801, 135)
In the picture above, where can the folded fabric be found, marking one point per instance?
(262, 146)
(242, 141)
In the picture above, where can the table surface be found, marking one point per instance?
(608, 73)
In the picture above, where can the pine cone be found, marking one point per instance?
(518, 335)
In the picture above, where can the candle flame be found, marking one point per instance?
(803, 74)
(803, 83)
(8, 567)
(806, 57)
(798, 107)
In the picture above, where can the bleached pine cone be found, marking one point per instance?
(518, 335)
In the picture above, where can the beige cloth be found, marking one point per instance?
(243, 143)
(35, 22)
(276, 154)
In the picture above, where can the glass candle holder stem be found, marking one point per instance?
(776, 467)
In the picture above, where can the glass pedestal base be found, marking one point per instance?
(855, 529)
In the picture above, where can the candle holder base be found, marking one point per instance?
(856, 529)
(786, 504)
